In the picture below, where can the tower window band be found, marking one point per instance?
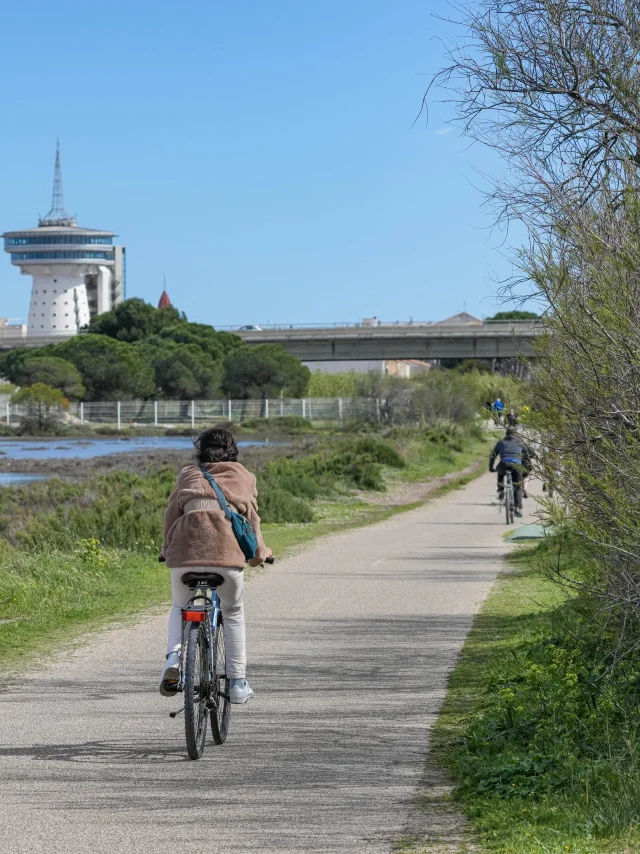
(60, 256)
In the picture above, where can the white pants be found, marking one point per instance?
(230, 595)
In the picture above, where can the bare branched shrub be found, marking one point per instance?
(554, 85)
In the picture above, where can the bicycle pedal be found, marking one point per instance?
(226, 696)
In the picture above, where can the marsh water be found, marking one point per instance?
(33, 450)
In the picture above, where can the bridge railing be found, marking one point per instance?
(201, 413)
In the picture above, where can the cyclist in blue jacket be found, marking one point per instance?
(498, 409)
(514, 457)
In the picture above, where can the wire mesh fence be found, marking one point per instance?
(189, 413)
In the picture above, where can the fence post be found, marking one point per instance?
(266, 408)
(82, 412)
(193, 415)
(155, 413)
(8, 414)
(229, 409)
(281, 407)
(378, 408)
(340, 410)
(118, 415)
(304, 408)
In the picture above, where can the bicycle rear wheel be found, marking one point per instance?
(221, 708)
(509, 498)
(196, 689)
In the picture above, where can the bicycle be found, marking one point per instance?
(509, 497)
(203, 679)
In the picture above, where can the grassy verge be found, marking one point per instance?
(77, 555)
(438, 452)
(540, 736)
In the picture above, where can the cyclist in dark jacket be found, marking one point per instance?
(514, 457)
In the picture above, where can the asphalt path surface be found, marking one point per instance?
(350, 646)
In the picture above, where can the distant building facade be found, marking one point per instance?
(77, 273)
(390, 367)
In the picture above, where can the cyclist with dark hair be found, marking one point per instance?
(198, 536)
(514, 457)
(512, 418)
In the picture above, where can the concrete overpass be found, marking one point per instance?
(490, 340)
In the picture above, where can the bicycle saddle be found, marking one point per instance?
(202, 579)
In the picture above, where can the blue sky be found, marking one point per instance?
(263, 155)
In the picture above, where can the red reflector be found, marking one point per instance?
(194, 616)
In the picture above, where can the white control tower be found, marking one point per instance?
(77, 272)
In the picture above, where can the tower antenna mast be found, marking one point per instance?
(57, 215)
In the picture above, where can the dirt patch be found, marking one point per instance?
(412, 493)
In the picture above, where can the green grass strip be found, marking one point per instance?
(524, 819)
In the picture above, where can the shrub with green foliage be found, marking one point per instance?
(120, 509)
(126, 510)
(263, 371)
(42, 407)
(52, 371)
(279, 424)
(333, 385)
(346, 464)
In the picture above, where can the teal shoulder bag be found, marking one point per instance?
(241, 527)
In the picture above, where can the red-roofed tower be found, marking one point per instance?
(164, 300)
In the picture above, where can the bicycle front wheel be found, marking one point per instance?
(221, 708)
(196, 689)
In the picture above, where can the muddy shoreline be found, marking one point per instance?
(140, 462)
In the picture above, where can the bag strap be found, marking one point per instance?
(224, 504)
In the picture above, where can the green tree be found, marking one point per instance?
(43, 406)
(181, 371)
(136, 320)
(228, 340)
(205, 339)
(11, 362)
(265, 370)
(515, 315)
(133, 320)
(51, 371)
(110, 370)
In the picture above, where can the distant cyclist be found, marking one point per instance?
(514, 457)
(512, 418)
(498, 409)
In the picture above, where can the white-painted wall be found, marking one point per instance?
(59, 304)
(104, 289)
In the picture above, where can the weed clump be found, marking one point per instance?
(279, 424)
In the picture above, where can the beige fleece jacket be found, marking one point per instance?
(205, 537)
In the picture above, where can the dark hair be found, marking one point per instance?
(510, 431)
(215, 445)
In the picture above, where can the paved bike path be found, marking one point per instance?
(350, 645)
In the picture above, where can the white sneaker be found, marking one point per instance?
(240, 691)
(170, 675)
